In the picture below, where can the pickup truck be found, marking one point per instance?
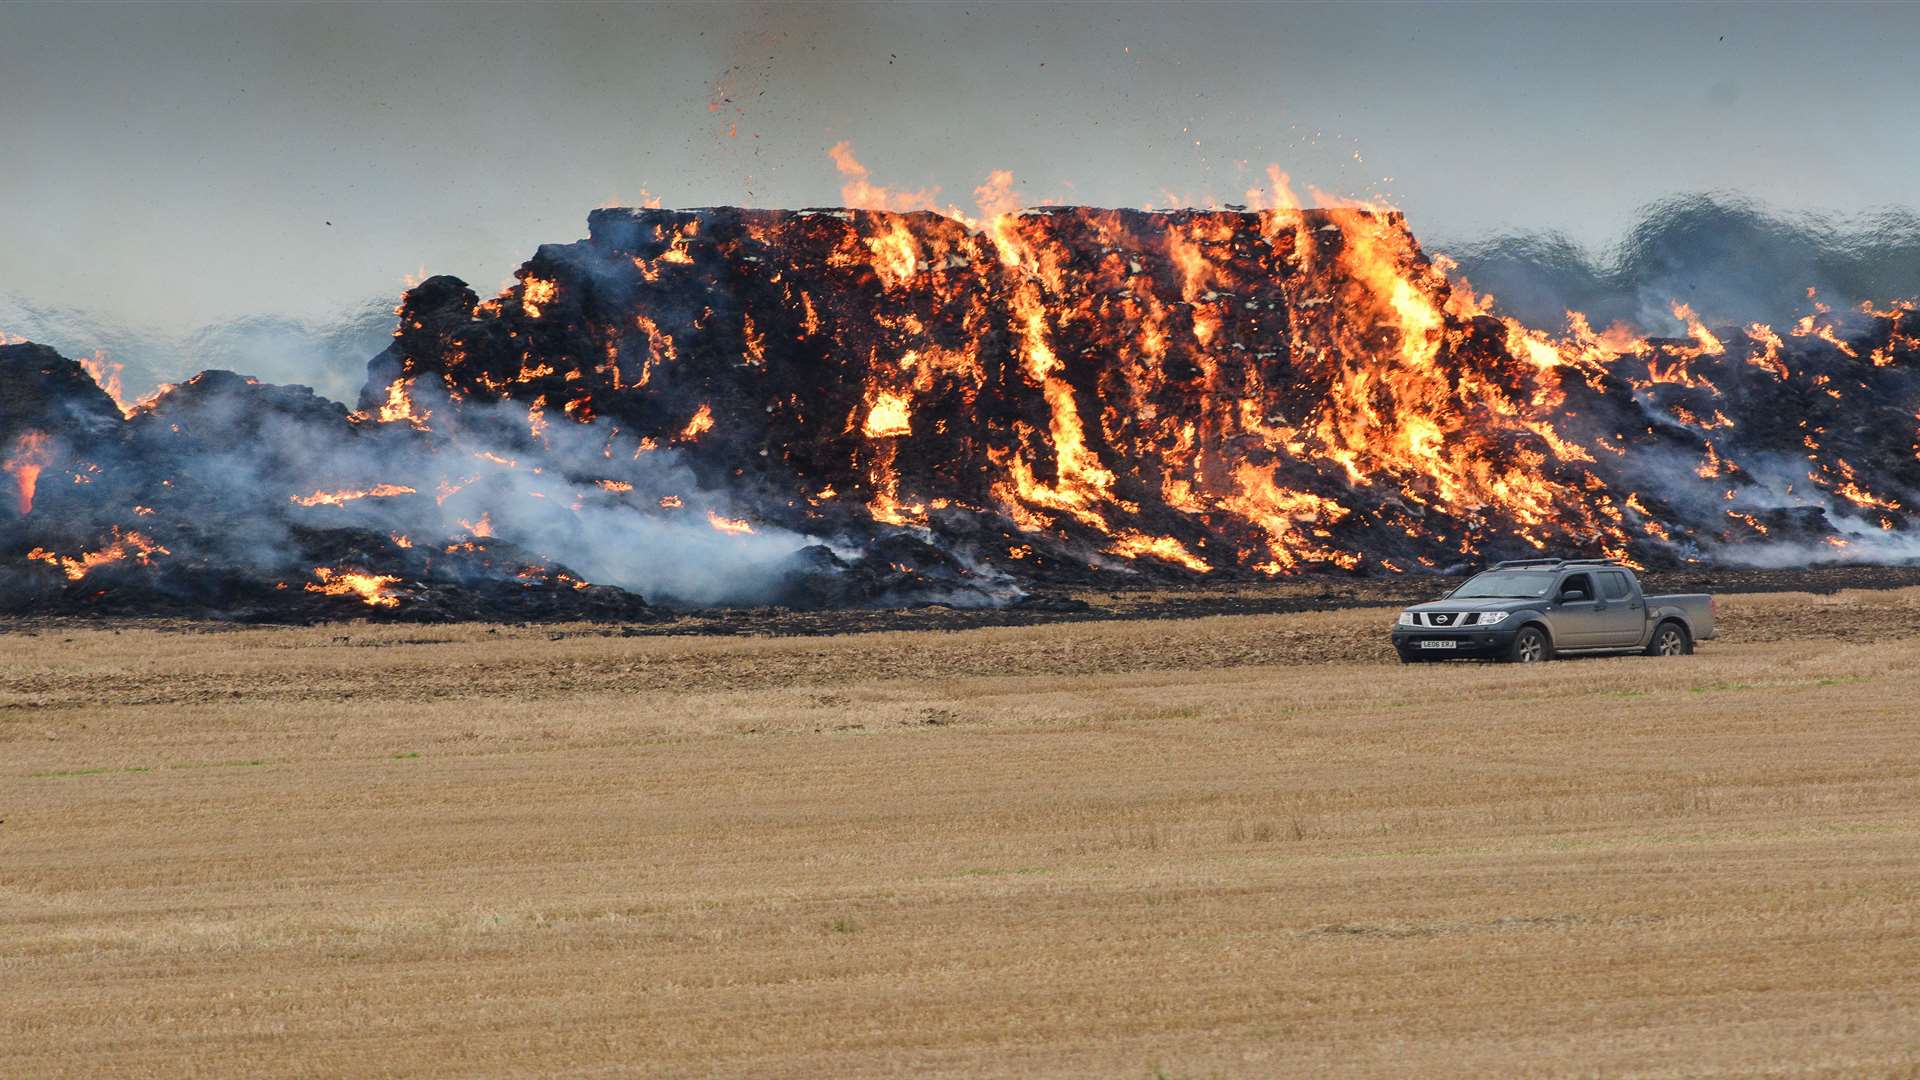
(1532, 610)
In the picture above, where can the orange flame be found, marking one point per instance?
(345, 496)
(125, 545)
(859, 192)
(399, 405)
(728, 525)
(889, 417)
(106, 375)
(536, 295)
(701, 423)
(372, 589)
(32, 453)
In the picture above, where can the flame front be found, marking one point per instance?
(345, 496)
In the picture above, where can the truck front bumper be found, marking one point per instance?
(1467, 643)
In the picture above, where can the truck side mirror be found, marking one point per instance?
(1575, 593)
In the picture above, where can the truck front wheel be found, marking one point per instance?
(1670, 639)
(1530, 646)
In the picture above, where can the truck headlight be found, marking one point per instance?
(1488, 618)
(1406, 619)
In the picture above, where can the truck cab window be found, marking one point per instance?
(1577, 583)
(1614, 585)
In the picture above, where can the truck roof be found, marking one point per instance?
(1555, 564)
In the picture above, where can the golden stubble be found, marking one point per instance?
(1233, 846)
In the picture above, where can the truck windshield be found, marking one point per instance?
(1518, 584)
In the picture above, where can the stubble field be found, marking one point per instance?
(1233, 846)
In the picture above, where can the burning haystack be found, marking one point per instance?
(850, 407)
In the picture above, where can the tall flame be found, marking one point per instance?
(32, 452)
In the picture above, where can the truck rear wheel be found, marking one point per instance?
(1530, 646)
(1670, 639)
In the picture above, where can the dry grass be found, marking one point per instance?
(1220, 847)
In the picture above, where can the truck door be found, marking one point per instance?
(1576, 618)
(1622, 618)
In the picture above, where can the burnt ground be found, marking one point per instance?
(1155, 601)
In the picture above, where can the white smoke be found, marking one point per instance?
(329, 355)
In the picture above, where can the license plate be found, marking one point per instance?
(1439, 644)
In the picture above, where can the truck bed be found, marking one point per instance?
(1696, 608)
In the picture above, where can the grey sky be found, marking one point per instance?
(176, 165)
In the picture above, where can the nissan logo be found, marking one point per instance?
(1442, 620)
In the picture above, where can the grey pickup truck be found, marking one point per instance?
(1534, 609)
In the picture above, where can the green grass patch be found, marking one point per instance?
(59, 774)
(1018, 871)
(1802, 684)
